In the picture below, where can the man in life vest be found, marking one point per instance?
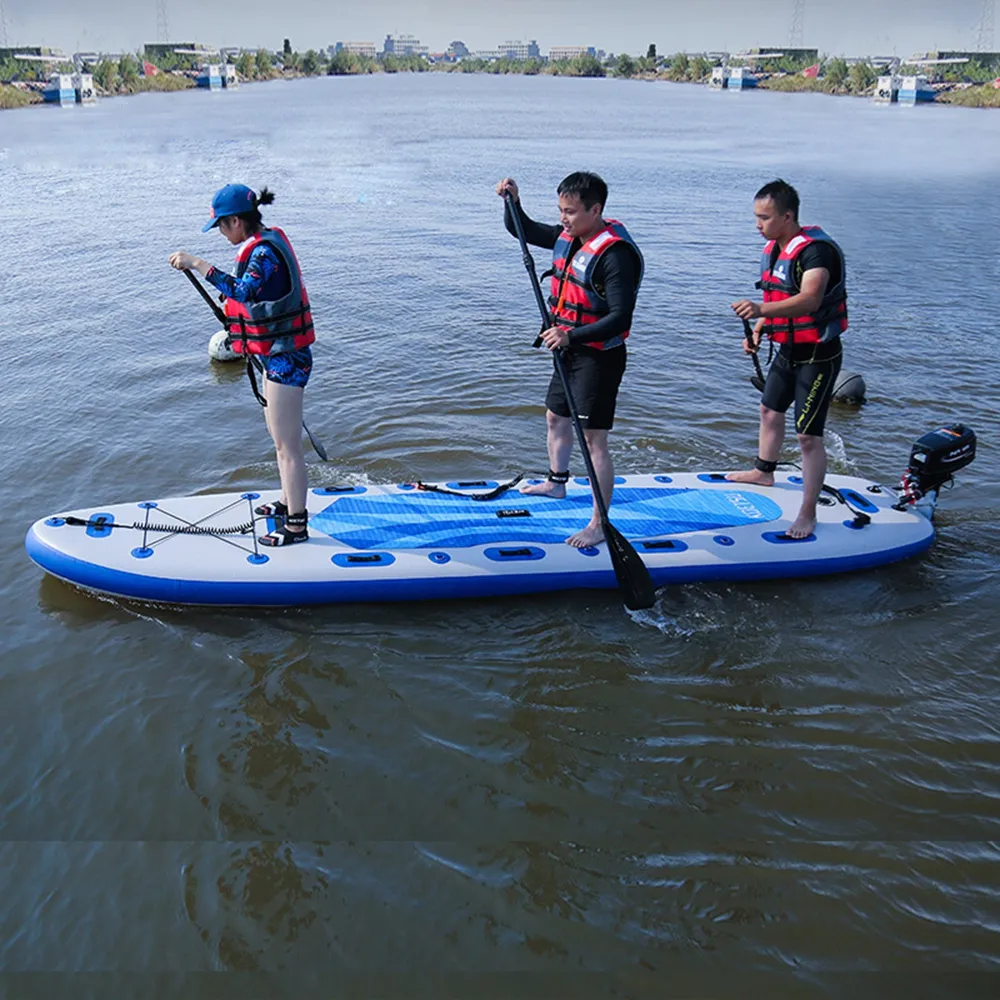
(269, 319)
(596, 272)
(802, 276)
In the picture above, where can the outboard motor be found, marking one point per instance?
(934, 458)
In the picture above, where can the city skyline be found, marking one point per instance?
(857, 27)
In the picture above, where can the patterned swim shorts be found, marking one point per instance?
(289, 367)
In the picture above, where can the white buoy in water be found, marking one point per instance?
(850, 388)
(220, 349)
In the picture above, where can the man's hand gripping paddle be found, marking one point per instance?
(757, 381)
(634, 580)
(221, 317)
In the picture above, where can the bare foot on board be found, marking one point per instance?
(754, 476)
(803, 526)
(545, 489)
(589, 537)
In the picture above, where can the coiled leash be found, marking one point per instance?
(492, 495)
(183, 527)
(161, 529)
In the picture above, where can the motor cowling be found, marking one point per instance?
(935, 458)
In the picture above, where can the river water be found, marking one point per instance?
(789, 778)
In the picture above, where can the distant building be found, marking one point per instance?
(877, 62)
(983, 58)
(26, 50)
(34, 53)
(779, 52)
(519, 50)
(457, 50)
(490, 55)
(82, 60)
(167, 50)
(887, 62)
(559, 53)
(403, 45)
(357, 48)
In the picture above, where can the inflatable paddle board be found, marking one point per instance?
(399, 542)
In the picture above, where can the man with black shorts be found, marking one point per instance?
(802, 275)
(596, 272)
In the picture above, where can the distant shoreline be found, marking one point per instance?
(26, 95)
(22, 95)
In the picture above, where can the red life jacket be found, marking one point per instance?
(255, 326)
(780, 281)
(575, 300)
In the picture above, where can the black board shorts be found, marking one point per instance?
(594, 377)
(808, 382)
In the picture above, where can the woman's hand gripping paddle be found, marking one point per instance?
(757, 381)
(634, 580)
(251, 359)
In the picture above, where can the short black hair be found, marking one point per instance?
(784, 196)
(588, 187)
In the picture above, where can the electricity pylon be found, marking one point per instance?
(162, 24)
(984, 37)
(795, 33)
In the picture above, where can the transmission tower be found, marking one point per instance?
(3, 27)
(162, 24)
(984, 37)
(795, 32)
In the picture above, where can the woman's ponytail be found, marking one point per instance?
(252, 218)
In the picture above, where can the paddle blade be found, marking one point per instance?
(757, 382)
(634, 580)
(317, 447)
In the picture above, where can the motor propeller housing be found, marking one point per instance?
(935, 458)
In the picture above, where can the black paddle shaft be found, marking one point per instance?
(529, 266)
(214, 306)
(757, 380)
(633, 577)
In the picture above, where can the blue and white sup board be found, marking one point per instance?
(395, 543)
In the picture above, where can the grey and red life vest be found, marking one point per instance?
(574, 299)
(779, 282)
(255, 326)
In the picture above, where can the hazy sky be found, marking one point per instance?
(851, 27)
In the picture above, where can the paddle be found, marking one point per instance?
(757, 381)
(221, 317)
(634, 580)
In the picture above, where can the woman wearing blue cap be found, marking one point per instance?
(268, 316)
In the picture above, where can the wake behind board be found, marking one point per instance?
(396, 542)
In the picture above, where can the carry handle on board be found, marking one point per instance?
(221, 317)
(634, 580)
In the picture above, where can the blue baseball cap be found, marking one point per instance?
(233, 199)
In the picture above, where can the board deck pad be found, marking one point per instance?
(426, 520)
